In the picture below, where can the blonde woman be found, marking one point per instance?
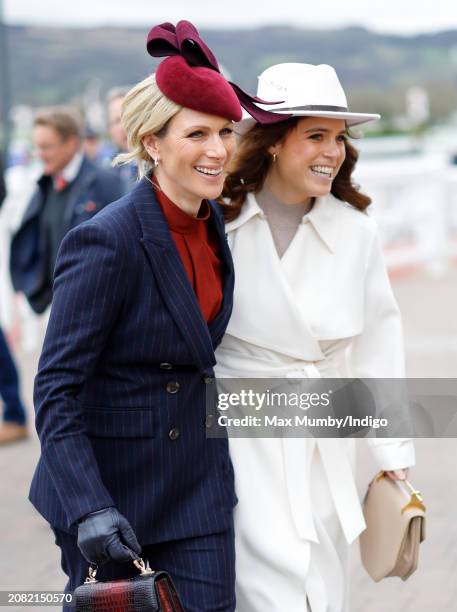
(312, 299)
(142, 297)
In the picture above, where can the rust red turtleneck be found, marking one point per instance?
(198, 247)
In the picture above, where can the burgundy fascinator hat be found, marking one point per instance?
(190, 76)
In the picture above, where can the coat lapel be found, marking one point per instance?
(219, 324)
(84, 178)
(263, 295)
(36, 203)
(171, 276)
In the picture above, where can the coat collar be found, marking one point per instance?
(172, 279)
(322, 217)
(79, 167)
(152, 220)
(71, 170)
(86, 175)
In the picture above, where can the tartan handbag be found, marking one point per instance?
(148, 592)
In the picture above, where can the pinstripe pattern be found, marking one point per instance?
(122, 306)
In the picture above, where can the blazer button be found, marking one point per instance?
(173, 386)
(209, 421)
(208, 379)
(174, 433)
(166, 366)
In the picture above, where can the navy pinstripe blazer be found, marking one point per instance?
(120, 389)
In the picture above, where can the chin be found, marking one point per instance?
(210, 193)
(321, 193)
(214, 194)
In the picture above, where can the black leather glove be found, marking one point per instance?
(104, 535)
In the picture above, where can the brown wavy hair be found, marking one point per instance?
(252, 162)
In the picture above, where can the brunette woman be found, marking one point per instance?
(142, 297)
(312, 299)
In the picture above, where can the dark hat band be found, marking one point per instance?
(316, 107)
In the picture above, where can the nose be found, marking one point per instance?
(216, 148)
(332, 149)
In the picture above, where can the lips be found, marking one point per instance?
(322, 171)
(207, 171)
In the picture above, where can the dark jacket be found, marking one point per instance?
(92, 189)
(120, 390)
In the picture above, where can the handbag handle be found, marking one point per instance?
(137, 561)
(416, 500)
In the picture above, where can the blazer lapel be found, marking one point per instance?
(219, 324)
(36, 203)
(171, 276)
(81, 184)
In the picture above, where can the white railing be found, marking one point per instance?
(415, 205)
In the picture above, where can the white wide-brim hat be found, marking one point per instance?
(305, 90)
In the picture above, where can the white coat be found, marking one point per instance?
(325, 308)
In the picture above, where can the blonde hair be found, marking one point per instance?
(145, 111)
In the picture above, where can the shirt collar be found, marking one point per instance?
(71, 170)
(321, 216)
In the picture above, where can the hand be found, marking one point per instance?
(104, 535)
(398, 474)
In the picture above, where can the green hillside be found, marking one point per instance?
(50, 65)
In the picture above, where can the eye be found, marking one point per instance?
(318, 136)
(342, 138)
(196, 134)
(226, 131)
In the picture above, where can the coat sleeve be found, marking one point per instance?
(378, 353)
(88, 294)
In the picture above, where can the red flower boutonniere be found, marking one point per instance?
(90, 207)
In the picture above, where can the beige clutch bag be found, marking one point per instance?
(395, 517)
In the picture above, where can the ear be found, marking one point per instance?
(151, 144)
(274, 149)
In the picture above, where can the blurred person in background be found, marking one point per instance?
(71, 190)
(312, 299)
(13, 427)
(128, 173)
(91, 144)
(142, 296)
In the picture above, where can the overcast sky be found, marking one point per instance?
(398, 16)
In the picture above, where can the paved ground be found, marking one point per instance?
(29, 559)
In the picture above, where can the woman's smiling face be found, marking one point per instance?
(192, 156)
(308, 159)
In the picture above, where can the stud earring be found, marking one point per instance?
(274, 157)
